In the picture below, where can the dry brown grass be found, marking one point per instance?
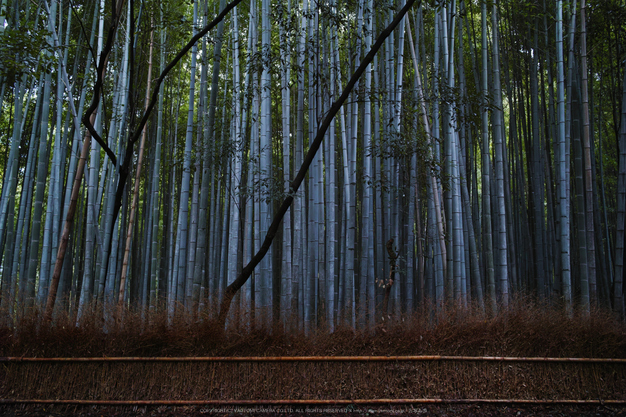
(524, 329)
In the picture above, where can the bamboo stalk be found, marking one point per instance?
(133, 208)
(314, 146)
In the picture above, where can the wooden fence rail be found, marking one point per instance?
(427, 358)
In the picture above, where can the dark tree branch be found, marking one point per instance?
(83, 30)
(98, 88)
(155, 93)
(88, 120)
(124, 168)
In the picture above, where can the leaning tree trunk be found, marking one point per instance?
(89, 119)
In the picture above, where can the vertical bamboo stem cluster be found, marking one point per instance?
(453, 141)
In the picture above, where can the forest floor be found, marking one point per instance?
(524, 330)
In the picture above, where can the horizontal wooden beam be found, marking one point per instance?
(423, 358)
(373, 401)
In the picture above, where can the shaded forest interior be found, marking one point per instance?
(146, 148)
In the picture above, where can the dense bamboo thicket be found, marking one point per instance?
(146, 148)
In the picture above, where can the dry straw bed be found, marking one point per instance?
(525, 329)
(313, 380)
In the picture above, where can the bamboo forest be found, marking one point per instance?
(309, 163)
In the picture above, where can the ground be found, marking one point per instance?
(466, 410)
